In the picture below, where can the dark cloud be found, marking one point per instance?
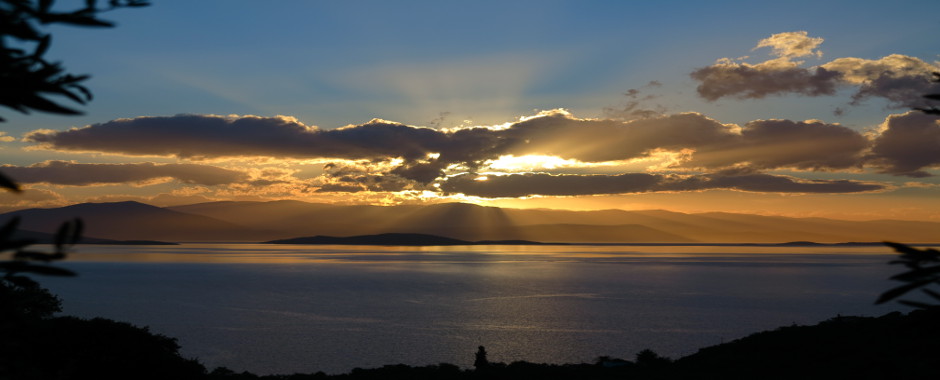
(611, 140)
(745, 81)
(767, 183)
(773, 144)
(900, 79)
(75, 174)
(909, 143)
(356, 178)
(520, 185)
(637, 106)
(340, 188)
(209, 136)
(761, 144)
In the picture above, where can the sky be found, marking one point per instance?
(787, 108)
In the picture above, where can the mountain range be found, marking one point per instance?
(232, 221)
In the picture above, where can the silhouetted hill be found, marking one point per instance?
(473, 223)
(260, 221)
(893, 346)
(395, 239)
(47, 238)
(101, 349)
(135, 221)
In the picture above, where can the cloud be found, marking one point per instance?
(774, 144)
(908, 144)
(900, 79)
(383, 156)
(76, 174)
(211, 136)
(636, 106)
(530, 184)
(727, 78)
(759, 144)
(30, 198)
(792, 44)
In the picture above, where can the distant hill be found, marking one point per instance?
(135, 221)
(47, 238)
(264, 221)
(473, 223)
(395, 239)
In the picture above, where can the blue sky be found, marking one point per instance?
(456, 64)
(323, 62)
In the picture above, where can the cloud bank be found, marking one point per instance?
(899, 79)
(425, 154)
(76, 174)
(529, 184)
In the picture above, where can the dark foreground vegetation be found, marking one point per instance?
(893, 346)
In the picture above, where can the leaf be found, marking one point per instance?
(932, 293)
(39, 103)
(7, 230)
(44, 5)
(9, 183)
(42, 47)
(15, 244)
(22, 281)
(46, 270)
(60, 235)
(77, 232)
(38, 256)
(898, 291)
(69, 234)
(919, 273)
(77, 19)
(901, 248)
(919, 305)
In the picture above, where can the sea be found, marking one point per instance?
(282, 309)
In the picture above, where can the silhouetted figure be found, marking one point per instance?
(480, 361)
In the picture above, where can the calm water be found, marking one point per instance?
(286, 308)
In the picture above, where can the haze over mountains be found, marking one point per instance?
(262, 221)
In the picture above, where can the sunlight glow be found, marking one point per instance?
(532, 162)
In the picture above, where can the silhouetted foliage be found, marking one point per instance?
(73, 348)
(923, 271)
(893, 346)
(932, 110)
(21, 297)
(26, 77)
(649, 358)
(923, 264)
